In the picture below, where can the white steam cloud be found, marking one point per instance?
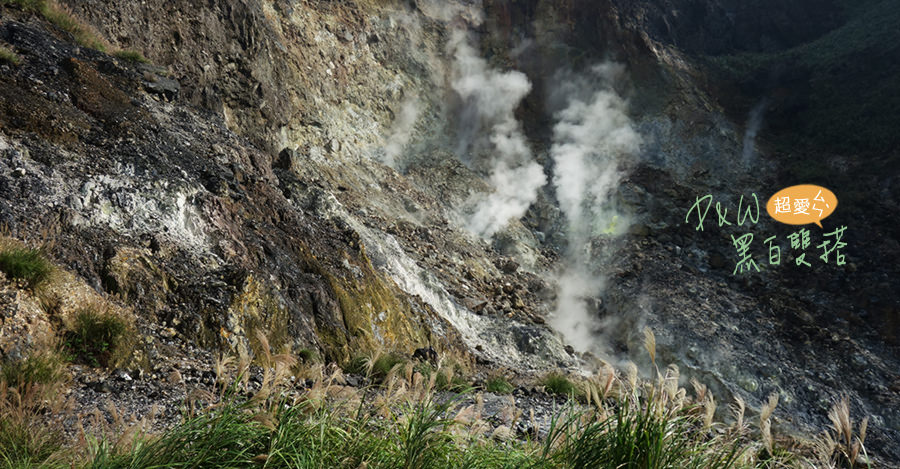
(592, 137)
(754, 122)
(490, 98)
(401, 131)
(446, 12)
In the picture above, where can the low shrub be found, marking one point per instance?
(307, 355)
(376, 367)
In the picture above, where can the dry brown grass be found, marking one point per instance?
(840, 444)
(63, 18)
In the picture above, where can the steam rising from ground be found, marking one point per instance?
(754, 122)
(401, 131)
(490, 98)
(591, 139)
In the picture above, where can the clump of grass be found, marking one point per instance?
(25, 441)
(559, 384)
(357, 365)
(307, 355)
(423, 438)
(25, 264)
(95, 336)
(841, 445)
(445, 378)
(29, 393)
(450, 380)
(8, 56)
(385, 363)
(642, 434)
(62, 18)
(131, 56)
(377, 367)
(224, 437)
(40, 368)
(498, 385)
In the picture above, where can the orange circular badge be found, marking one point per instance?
(802, 204)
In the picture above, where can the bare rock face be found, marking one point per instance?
(162, 203)
(151, 201)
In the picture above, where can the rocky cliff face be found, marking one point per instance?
(312, 171)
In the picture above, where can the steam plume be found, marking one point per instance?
(754, 122)
(591, 138)
(401, 131)
(490, 98)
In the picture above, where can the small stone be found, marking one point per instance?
(333, 146)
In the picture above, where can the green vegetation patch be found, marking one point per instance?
(8, 56)
(26, 444)
(43, 368)
(96, 336)
(63, 19)
(845, 78)
(559, 384)
(498, 385)
(25, 264)
(131, 56)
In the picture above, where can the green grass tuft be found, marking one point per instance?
(44, 369)
(63, 19)
(556, 383)
(307, 355)
(25, 444)
(356, 366)
(641, 434)
(448, 378)
(385, 363)
(131, 56)
(29, 392)
(95, 336)
(8, 56)
(376, 368)
(498, 385)
(25, 264)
